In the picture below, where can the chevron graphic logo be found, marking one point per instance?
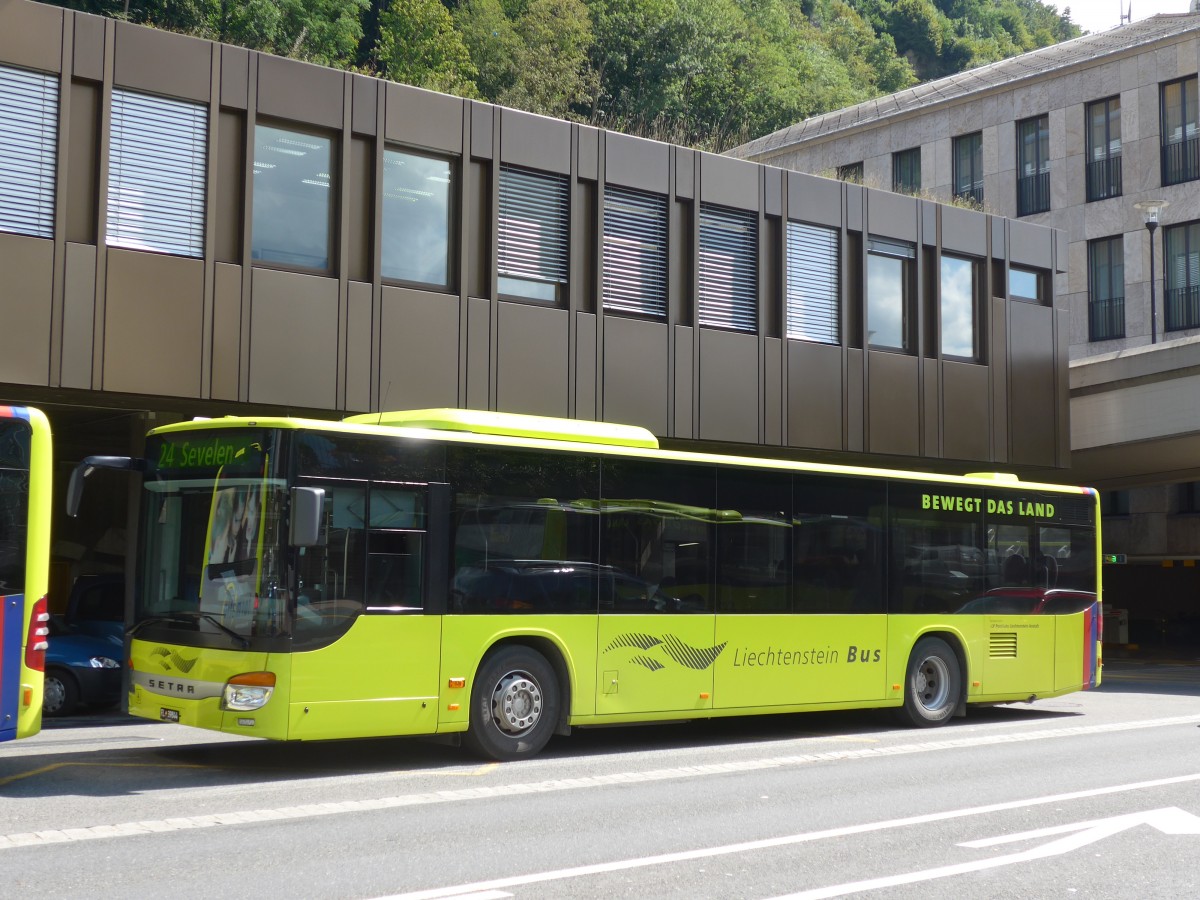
(170, 659)
(678, 651)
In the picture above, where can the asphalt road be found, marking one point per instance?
(1090, 795)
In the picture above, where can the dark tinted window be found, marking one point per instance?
(753, 541)
(837, 545)
(938, 558)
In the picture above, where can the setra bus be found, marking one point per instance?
(26, 473)
(503, 578)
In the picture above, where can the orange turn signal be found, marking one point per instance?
(458, 682)
(453, 707)
(254, 679)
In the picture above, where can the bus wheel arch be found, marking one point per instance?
(935, 687)
(518, 700)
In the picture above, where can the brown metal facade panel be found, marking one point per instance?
(683, 422)
(813, 199)
(773, 392)
(998, 372)
(88, 47)
(1031, 245)
(965, 412)
(359, 360)
(534, 141)
(893, 404)
(423, 118)
(83, 154)
(79, 311)
(25, 292)
(230, 199)
(585, 366)
(891, 215)
(160, 62)
(478, 363)
(531, 370)
(637, 376)
(854, 198)
(482, 115)
(729, 182)
(964, 231)
(814, 396)
(365, 105)
(1033, 388)
(856, 400)
(417, 363)
(31, 35)
(932, 424)
(928, 213)
(159, 295)
(1062, 410)
(360, 188)
(299, 92)
(227, 319)
(235, 77)
(637, 163)
(685, 173)
(293, 339)
(730, 403)
(590, 141)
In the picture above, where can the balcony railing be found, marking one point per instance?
(1104, 178)
(973, 192)
(1181, 161)
(1106, 319)
(1033, 194)
(1182, 308)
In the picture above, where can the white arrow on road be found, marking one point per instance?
(1169, 820)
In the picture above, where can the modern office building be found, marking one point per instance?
(1097, 137)
(189, 228)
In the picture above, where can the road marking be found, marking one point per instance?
(312, 810)
(1170, 820)
(9, 779)
(469, 890)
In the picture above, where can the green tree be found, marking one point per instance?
(418, 45)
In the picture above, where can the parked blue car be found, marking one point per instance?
(86, 646)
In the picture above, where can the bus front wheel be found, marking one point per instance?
(514, 704)
(932, 684)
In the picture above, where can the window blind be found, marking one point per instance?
(157, 174)
(813, 295)
(533, 233)
(635, 252)
(28, 130)
(728, 269)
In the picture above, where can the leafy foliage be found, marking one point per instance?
(707, 73)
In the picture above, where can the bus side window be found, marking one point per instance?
(395, 549)
(330, 593)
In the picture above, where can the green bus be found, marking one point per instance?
(26, 473)
(504, 578)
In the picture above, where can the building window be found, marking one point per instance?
(968, 167)
(415, 242)
(906, 171)
(157, 174)
(813, 283)
(1106, 289)
(1181, 272)
(1026, 284)
(1180, 143)
(959, 301)
(1104, 149)
(635, 252)
(889, 293)
(292, 223)
(28, 131)
(852, 172)
(728, 268)
(534, 235)
(1033, 165)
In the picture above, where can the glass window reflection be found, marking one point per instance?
(293, 206)
(416, 218)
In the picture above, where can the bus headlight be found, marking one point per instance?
(248, 691)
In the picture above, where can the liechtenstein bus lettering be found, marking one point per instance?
(505, 578)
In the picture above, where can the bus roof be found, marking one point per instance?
(545, 432)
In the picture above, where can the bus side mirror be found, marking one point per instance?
(308, 509)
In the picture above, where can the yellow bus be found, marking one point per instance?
(505, 578)
(26, 474)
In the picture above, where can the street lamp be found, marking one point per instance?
(1150, 210)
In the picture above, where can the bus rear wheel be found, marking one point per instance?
(514, 704)
(932, 684)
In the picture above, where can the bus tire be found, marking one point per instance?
(932, 684)
(60, 695)
(514, 704)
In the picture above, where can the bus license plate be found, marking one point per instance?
(168, 715)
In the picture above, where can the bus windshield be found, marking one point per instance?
(210, 555)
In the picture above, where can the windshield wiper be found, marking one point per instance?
(191, 618)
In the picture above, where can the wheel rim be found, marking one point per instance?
(931, 683)
(517, 703)
(54, 695)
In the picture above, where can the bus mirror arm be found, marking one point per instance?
(308, 510)
(89, 465)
